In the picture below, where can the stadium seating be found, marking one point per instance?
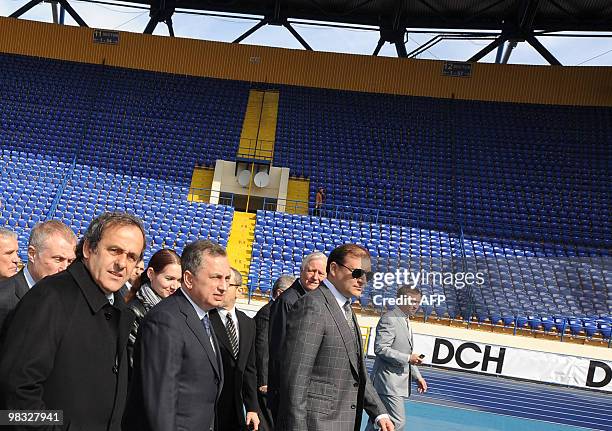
(497, 169)
(425, 184)
(112, 139)
(523, 284)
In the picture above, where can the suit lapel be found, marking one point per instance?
(245, 338)
(220, 331)
(345, 332)
(126, 319)
(21, 285)
(195, 325)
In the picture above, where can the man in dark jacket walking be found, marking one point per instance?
(65, 348)
(262, 345)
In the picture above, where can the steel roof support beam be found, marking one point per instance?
(75, 16)
(542, 50)
(379, 45)
(23, 9)
(54, 12)
(250, 31)
(161, 11)
(500, 53)
(487, 49)
(509, 50)
(400, 47)
(295, 34)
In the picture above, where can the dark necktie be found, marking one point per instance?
(348, 314)
(206, 323)
(231, 334)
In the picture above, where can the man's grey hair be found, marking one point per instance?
(317, 255)
(283, 283)
(191, 259)
(106, 220)
(237, 276)
(7, 233)
(42, 231)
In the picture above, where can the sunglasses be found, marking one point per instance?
(358, 272)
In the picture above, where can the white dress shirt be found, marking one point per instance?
(28, 276)
(224, 313)
(201, 313)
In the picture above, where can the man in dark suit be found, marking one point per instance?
(9, 259)
(323, 381)
(50, 250)
(178, 374)
(312, 273)
(262, 346)
(236, 334)
(66, 346)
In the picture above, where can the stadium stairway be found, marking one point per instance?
(201, 183)
(297, 196)
(259, 126)
(240, 243)
(267, 128)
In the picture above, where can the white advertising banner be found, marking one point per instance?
(512, 362)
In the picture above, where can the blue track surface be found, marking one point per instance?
(463, 401)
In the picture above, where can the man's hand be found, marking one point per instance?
(385, 424)
(422, 386)
(252, 418)
(415, 360)
(263, 389)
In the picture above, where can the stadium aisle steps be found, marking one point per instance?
(250, 125)
(240, 241)
(297, 195)
(202, 179)
(267, 128)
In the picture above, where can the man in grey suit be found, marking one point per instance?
(323, 379)
(51, 248)
(178, 374)
(396, 363)
(312, 274)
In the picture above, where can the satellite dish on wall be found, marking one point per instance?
(262, 179)
(244, 177)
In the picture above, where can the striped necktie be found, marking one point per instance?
(231, 334)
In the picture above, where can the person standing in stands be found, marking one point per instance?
(262, 345)
(396, 365)
(312, 273)
(9, 259)
(323, 380)
(319, 201)
(178, 374)
(161, 279)
(66, 347)
(236, 334)
(50, 250)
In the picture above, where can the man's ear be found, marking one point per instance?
(188, 279)
(333, 266)
(86, 249)
(31, 253)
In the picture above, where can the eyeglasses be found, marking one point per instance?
(235, 285)
(358, 272)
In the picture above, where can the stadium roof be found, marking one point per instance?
(502, 21)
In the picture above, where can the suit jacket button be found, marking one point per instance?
(353, 406)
